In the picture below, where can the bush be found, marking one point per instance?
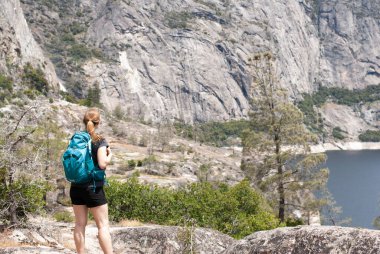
(80, 52)
(68, 38)
(24, 196)
(118, 112)
(144, 140)
(6, 83)
(35, 79)
(32, 93)
(213, 133)
(370, 136)
(131, 164)
(238, 210)
(149, 160)
(203, 172)
(77, 28)
(178, 19)
(292, 222)
(68, 97)
(63, 216)
(337, 133)
(93, 96)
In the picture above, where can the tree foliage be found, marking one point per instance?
(6, 88)
(277, 145)
(370, 136)
(343, 96)
(93, 96)
(212, 133)
(22, 189)
(35, 79)
(338, 133)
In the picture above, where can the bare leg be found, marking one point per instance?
(100, 214)
(80, 212)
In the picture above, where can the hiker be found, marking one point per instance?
(90, 196)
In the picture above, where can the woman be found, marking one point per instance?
(83, 196)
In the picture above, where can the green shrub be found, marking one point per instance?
(337, 133)
(238, 210)
(63, 216)
(178, 19)
(131, 164)
(25, 195)
(77, 28)
(68, 38)
(80, 52)
(370, 136)
(93, 96)
(118, 112)
(99, 54)
(212, 133)
(292, 222)
(31, 93)
(143, 141)
(6, 83)
(68, 97)
(203, 172)
(35, 79)
(5, 95)
(149, 160)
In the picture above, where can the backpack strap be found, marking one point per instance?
(89, 152)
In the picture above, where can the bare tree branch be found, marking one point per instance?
(19, 121)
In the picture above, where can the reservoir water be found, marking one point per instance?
(355, 184)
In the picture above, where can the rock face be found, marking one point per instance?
(309, 240)
(187, 60)
(17, 44)
(158, 239)
(153, 239)
(173, 240)
(349, 33)
(346, 118)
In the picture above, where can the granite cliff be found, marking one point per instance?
(18, 46)
(187, 60)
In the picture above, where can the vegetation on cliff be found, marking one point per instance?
(311, 102)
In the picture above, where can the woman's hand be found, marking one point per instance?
(109, 153)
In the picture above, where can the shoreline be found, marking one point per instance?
(345, 146)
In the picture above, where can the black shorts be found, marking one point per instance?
(87, 196)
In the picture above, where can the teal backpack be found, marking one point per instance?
(77, 160)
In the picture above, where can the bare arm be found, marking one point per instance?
(104, 157)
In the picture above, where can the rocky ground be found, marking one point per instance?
(47, 236)
(309, 239)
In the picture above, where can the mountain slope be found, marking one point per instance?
(187, 60)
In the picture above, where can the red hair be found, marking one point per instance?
(91, 119)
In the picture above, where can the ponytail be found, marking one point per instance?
(91, 119)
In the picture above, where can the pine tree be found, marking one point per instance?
(276, 147)
(93, 96)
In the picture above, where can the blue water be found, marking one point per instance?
(355, 184)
